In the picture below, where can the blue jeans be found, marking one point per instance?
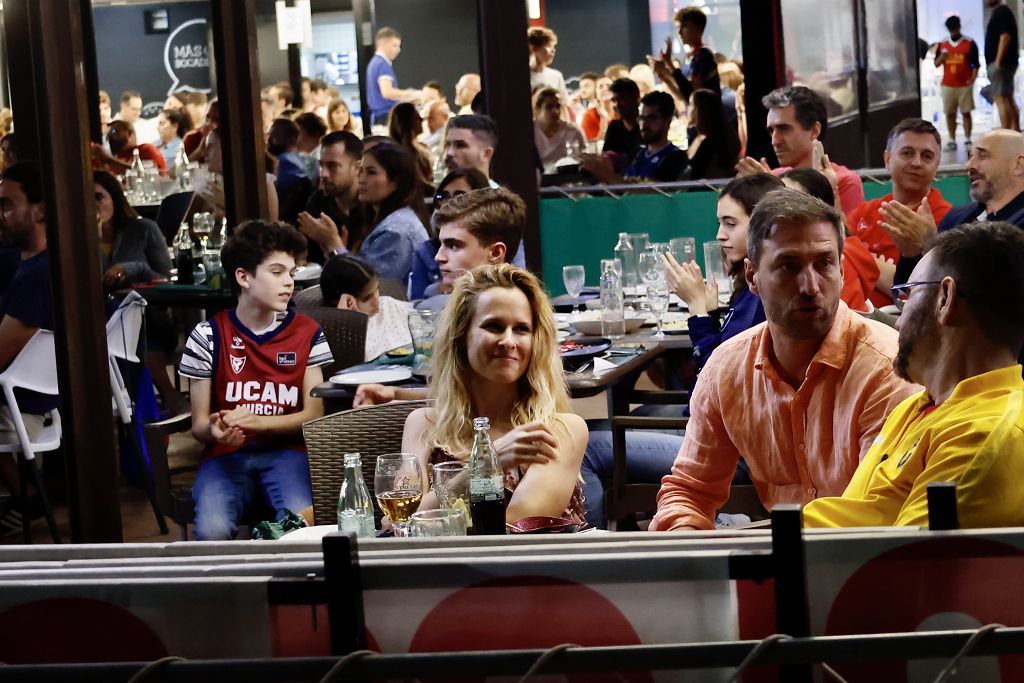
(649, 457)
(225, 486)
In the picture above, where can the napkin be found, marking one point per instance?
(602, 365)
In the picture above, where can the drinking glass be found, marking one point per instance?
(683, 248)
(152, 184)
(614, 263)
(437, 523)
(421, 328)
(637, 240)
(714, 264)
(202, 226)
(657, 299)
(574, 278)
(451, 485)
(398, 487)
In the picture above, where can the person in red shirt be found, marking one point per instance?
(912, 158)
(121, 137)
(959, 59)
(595, 120)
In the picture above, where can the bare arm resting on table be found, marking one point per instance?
(377, 394)
(552, 455)
(546, 487)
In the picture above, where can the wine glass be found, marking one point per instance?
(652, 268)
(398, 487)
(657, 299)
(574, 278)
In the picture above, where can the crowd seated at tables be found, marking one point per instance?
(800, 386)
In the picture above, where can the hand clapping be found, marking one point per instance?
(686, 281)
(908, 229)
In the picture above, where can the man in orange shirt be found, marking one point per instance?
(912, 158)
(960, 62)
(802, 396)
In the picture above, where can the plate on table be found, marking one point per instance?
(568, 304)
(310, 271)
(578, 352)
(543, 525)
(400, 352)
(562, 335)
(593, 326)
(675, 327)
(389, 375)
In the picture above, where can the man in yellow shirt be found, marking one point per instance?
(959, 336)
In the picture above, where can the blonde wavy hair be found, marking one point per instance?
(542, 391)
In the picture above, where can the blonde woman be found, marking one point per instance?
(495, 356)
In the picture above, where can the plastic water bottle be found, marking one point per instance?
(355, 509)
(613, 313)
(628, 258)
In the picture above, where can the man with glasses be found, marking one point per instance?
(996, 173)
(332, 218)
(657, 159)
(800, 397)
(960, 340)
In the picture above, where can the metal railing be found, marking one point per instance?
(775, 651)
(796, 653)
(616, 190)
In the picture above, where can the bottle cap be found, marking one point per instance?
(352, 459)
(481, 423)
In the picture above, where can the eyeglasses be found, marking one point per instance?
(444, 196)
(900, 293)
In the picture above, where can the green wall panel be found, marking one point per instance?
(585, 230)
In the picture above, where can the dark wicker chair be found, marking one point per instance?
(368, 431)
(309, 297)
(395, 289)
(346, 334)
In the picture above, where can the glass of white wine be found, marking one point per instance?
(398, 487)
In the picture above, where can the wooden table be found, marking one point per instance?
(616, 381)
(188, 296)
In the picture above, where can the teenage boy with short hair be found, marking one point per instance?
(478, 228)
(252, 369)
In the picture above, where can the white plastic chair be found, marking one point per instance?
(124, 327)
(33, 369)
(123, 330)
